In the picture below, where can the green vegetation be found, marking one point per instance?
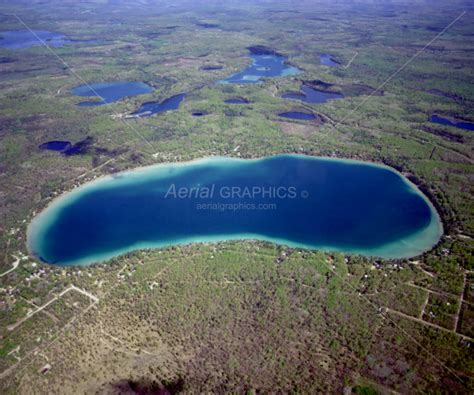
(365, 391)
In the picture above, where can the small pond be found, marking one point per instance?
(306, 116)
(109, 92)
(156, 107)
(312, 95)
(17, 39)
(449, 122)
(56, 145)
(327, 60)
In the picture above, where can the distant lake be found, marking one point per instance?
(263, 66)
(312, 95)
(294, 200)
(108, 92)
(327, 60)
(17, 39)
(155, 107)
(297, 115)
(448, 122)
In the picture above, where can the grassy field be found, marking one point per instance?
(239, 316)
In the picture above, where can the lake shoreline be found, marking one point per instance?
(67, 197)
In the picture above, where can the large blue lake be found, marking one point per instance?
(17, 39)
(295, 200)
(108, 92)
(263, 66)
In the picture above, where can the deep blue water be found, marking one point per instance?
(319, 203)
(17, 39)
(448, 122)
(311, 95)
(155, 107)
(263, 66)
(56, 145)
(108, 92)
(297, 115)
(327, 60)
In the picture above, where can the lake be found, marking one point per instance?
(295, 200)
(449, 122)
(155, 107)
(263, 66)
(306, 116)
(109, 92)
(327, 60)
(18, 39)
(312, 95)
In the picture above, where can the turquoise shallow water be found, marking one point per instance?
(299, 201)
